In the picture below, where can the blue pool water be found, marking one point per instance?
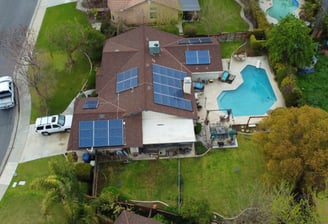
(254, 96)
(281, 8)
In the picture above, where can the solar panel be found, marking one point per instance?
(196, 41)
(127, 80)
(167, 87)
(90, 104)
(201, 57)
(101, 133)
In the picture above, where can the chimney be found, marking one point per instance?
(154, 47)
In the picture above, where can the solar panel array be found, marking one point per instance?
(167, 83)
(127, 79)
(101, 133)
(90, 104)
(201, 57)
(196, 41)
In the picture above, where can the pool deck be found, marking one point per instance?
(266, 4)
(208, 98)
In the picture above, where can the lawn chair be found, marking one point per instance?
(224, 77)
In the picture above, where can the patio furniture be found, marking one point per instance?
(224, 76)
(231, 78)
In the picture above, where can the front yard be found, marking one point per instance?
(23, 205)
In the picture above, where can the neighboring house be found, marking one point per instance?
(145, 101)
(151, 11)
(127, 217)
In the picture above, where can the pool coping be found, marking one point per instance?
(208, 98)
(267, 4)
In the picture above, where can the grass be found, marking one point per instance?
(21, 204)
(223, 15)
(60, 84)
(314, 89)
(211, 177)
(227, 48)
(321, 203)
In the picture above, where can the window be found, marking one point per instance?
(153, 13)
(48, 126)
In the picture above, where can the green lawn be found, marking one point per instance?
(221, 16)
(227, 48)
(212, 177)
(314, 86)
(63, 84)
(21, 204)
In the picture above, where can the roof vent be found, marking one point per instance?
(154, 47)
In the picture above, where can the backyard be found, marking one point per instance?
(314, 87)
(219, 16)
(223, 177)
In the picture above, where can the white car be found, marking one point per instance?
(7, 92)
(52, 124)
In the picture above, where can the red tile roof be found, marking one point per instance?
(130, 50)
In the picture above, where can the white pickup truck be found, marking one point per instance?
(55, 123)
(7, 92)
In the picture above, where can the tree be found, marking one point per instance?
(294, 142)
(291, 92)
(62, 186)
(195, 211)
(275, 205)
(289, 42)
(31, 64)
(107, 203)
(73, 36)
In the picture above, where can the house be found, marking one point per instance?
(145, 100)
(127, 217)
(151, 11)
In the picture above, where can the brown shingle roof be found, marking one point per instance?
(131, 218)
(119, 5)
(130, 50)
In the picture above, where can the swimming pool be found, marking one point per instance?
(253, 97)
(281, 8)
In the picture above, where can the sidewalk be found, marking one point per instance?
(25, 144)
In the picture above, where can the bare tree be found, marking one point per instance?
(18, 46)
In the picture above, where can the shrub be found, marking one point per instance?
(198, 128)
(259, 15)
(291, 92)
(190, 30)
(83, 171)
(282, 71)
(258, 46)
(200, 148)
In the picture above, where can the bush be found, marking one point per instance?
(190, 30)
(198, 128)
(258, 46)
(83, 171)
(282, 71)
(291, 92)
(200, 148)
(259, 15)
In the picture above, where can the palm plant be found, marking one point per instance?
(62, 186)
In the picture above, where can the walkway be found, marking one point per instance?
(19, 152)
